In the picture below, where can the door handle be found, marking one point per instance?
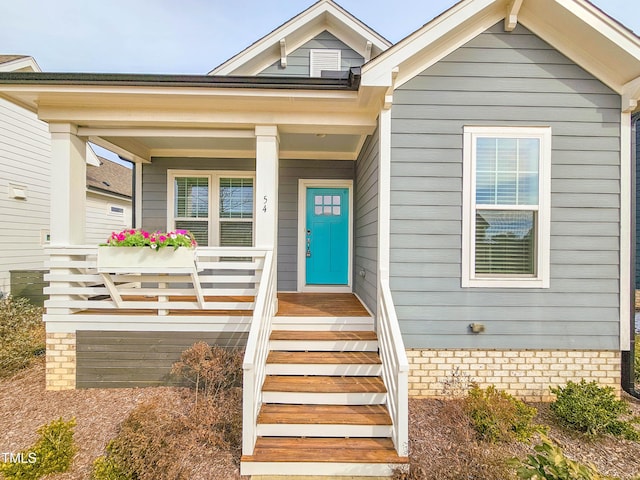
(308, 243)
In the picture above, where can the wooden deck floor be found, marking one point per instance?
(320, 305)
(289, 305)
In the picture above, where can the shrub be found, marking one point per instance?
(551, 464)
(457, 383)
(210, 369)
(592, 409)
(497, 416)
(21, 334)
(108, 468)
(160, 438)
(52, 452)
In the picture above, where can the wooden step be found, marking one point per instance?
(318, 390)
(327, 341)
(324, 323)
(325, 414)
(326, 336)
(325, 450)
(324, 421)
(324, 363)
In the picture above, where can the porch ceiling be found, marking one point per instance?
(140, 122)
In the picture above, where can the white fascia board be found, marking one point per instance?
(321, 16)
(603, 24)
(25, 64)
(378, 71)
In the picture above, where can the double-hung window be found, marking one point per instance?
(216, 207)
(506, 207)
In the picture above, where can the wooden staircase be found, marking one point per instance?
(324, 407)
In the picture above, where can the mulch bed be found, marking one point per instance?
(25, 406)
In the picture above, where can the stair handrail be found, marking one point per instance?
(255, 357)
(395, 368)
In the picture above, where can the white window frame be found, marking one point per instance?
(318, 52)
(543, 208)
(214, 177)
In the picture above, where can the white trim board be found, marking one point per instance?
(303, 184)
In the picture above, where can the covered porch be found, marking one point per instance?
(294, 150)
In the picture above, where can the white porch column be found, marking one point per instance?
(267, 149)
(68, 185)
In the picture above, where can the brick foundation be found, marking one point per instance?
(61, 361)
(526, 374)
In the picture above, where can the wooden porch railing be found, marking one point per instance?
(227, 279)
(395, 368)
(255, 357)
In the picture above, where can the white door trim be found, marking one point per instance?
(303, 184)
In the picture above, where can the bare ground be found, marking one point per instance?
(442, 445)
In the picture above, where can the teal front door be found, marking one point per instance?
(327, 236)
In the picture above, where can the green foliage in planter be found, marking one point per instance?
(498, 416)
(550, 464)
(592, 409)
(21, 334)
(53, 452)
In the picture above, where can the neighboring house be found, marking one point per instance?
(109, 193)
(25, 151)
(25, 172)
(471, 185)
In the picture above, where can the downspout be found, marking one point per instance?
(628, 357)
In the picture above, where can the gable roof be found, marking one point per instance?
(109, 177)
(322, 15)
(606, 49)
(18, 63)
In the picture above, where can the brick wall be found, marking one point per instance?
(61, 361)
(526, 374)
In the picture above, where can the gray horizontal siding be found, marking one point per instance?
(366, 223)
(298, 60)
(290, 172)
(138, 359)
(506, 79)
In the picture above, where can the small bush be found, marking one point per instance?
(592, 409)
(21, 334)
(160, 439)
(499, 417)
(457, 383)
(210, 369)
(551, 464)
(53, 452)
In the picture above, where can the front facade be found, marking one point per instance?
(471, 186)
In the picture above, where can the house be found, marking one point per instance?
(25, 170)
(109, 193)
(370, 218)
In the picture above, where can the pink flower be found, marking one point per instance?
(145, 234)
(162, 238)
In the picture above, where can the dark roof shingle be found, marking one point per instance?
(110, 177)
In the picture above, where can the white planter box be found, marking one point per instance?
(145, 260)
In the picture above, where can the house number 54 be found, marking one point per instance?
(264, 207)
